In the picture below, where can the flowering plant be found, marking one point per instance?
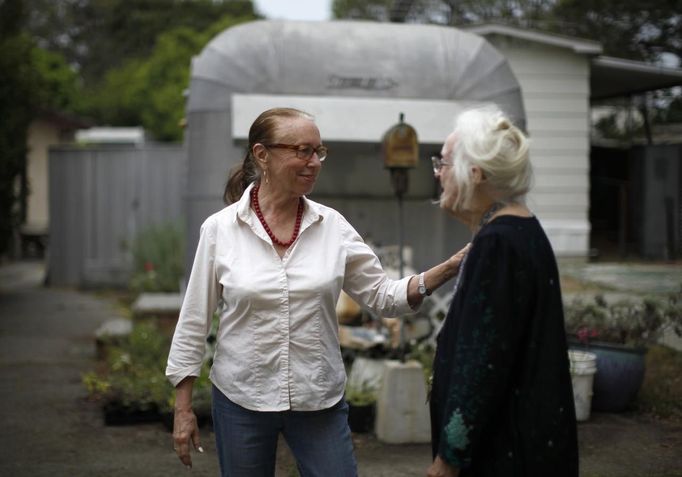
(586, 333)
(634, 323)
(158, 259)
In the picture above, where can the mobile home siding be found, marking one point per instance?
(555, 84)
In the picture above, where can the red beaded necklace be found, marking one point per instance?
(259, 214)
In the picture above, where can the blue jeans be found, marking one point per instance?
(247, 440)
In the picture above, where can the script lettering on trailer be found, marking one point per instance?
(360, 82)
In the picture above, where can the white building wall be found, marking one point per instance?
(555, 85)
(41, 135)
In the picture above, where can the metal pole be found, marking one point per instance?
(399, 180)
(402, 271)
(401, 238)
(622, 218)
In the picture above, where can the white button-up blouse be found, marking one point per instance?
(278, 338)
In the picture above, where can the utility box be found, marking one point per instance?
(402, 412)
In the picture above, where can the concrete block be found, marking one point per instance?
(110, 333)
(162, 308)
(115, 328)
(402, 412)
(366, 374)
(157, 304)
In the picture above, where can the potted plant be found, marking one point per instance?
(619, 333)
(133, 384)
(361, 408)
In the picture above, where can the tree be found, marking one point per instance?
(31, 79)
(636, 29)
(97, 35)
(149, 92)
(445, 12)
(133, 57)
(15, 101)
(57, 84)
(639, 29)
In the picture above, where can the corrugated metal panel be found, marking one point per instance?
(543, 103)
(100, 199)
(555, 61)
(66, 212)
(542, 122)
(554, 83)
(575, 180)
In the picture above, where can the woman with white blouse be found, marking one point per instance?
(276, 262)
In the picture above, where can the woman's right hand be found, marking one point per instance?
(185, 427)
(456, 259)
(436, 276)
(185, 431)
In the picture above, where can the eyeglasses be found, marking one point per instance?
(303, 151)
(439, 163)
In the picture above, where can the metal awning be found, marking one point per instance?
(614, 77)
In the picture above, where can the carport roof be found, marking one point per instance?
(613, 77)
(609, 77)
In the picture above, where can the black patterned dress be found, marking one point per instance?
(502, 401)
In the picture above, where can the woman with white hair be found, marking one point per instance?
(501, 402)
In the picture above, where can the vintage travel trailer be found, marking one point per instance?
(356, 78)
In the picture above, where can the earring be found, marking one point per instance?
(265, 174)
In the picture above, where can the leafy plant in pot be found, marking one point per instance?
(619, 333)
(361, 408)
(133, 383)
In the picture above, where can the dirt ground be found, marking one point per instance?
(50, 429)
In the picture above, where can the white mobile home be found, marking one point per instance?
(587, 196)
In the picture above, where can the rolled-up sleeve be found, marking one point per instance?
(199, 304)
(366, 281)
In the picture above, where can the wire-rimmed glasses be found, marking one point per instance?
(438, 162)
(303, 151)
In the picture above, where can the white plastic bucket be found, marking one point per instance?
(583, 366)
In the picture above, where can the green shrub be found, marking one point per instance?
(423, 354)
(363, 396)
(158, 258)
(639, 323)
(134, 376)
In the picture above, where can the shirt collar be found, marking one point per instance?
(243, 206)
(312, 212)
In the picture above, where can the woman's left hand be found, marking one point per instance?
(440, 468)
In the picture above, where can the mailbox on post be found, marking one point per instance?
(400, 150)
